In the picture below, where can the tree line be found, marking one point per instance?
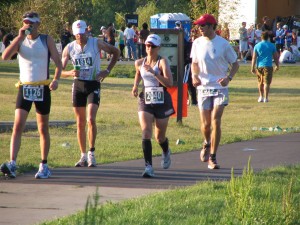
(55, 13)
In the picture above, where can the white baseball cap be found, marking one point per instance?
(153, 39)
(79, 27)
(285, 27)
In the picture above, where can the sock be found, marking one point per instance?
(165, 145)
(213, 156)
(83, 155)
(44, 161)
(147, 149)
(92, 149)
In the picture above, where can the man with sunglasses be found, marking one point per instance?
(211, 55)
(35, 85)
(84, 53)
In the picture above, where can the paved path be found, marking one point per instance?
(25, 200)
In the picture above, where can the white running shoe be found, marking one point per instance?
(149, 172)
(91, 159)
(8, 169)
(166, 159)
(266, 100)
(43, 172)
(260, 99)
(82, 162)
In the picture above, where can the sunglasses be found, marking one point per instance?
(30, 15)
(203, 25)
(151, 46)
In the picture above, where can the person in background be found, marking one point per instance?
(144, 33)
(263, 54)
(211, 56)
(34, 49)
(288, 36)
(225, 33)
(86, 89)
(129, 35)
(267, 27)
(287, 56)
(257, 33)
(279, 38)
(121, 42)
(89, 31)
(155, 103)
(110, 34)
(66, 36)
(243, 44)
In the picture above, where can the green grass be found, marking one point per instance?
(270, 197)
(119, 134)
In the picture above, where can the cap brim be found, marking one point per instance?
(79, 31)
(32, 20)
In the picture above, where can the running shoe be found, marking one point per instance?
(266, 100)
(82, 162)
(149, 172)
(204, 153)
(91, 160)
(260, 99)
(43, 172)
(166, 159)
(8, 169)
(212, 163)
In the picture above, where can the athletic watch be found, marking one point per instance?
(230, 78)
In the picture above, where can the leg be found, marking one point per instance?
(19, 125)
(216, 128)
(92, 127)
(128, 49)
(80, 114)
(205, 124)
(43, 128)
(266, 89)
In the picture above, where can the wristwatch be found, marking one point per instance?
(230, 78)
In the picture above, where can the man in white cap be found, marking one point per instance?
(211, 55)
(35, 86)
(87, 75)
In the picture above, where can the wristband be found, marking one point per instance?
(230, 78)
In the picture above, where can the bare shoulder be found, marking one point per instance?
(138, 62)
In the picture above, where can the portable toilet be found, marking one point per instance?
(154, 20)
(167, 21)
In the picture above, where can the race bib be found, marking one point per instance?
(33, 93)
(209, 92)
(154, 95)
(85, 62)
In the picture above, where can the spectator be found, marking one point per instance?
(121, 42)
(257, 33)
(279, 38)
(66, 35)
(243, 41)
(129, 35)
(144, 33)
(287, 56)
(225, 33)
(262, 67)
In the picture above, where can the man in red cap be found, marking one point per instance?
(211, 56)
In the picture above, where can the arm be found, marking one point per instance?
(112, 50)
(195, 74)
(276, 60)
(233, 70)
(13, 48)
(56, 59)
(137, 78)
(65, 59)
(166, 78)
(253, 63)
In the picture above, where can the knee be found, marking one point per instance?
(91, 122)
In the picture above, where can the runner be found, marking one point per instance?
(85, 55)
(155, 102)
(34, 87)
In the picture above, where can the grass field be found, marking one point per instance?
(268, 198)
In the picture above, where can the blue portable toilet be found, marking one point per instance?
(154, 20)
(167, 21)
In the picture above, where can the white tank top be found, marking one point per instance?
(148, 78)
(88, 58)
(33, 61)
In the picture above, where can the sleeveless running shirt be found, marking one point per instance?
(33, 60)
(88, 59)
(148, 79)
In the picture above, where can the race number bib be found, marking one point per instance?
(33, 93)
(209, 92)
(85, 62)
(154, 95)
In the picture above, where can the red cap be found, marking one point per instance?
(204, 19)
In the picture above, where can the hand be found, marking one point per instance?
(196, 81)
(223, 81)
(53, 85)
(74, 73)
(134, 91)
(253, 71)
(148, 68)
(101, 76)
